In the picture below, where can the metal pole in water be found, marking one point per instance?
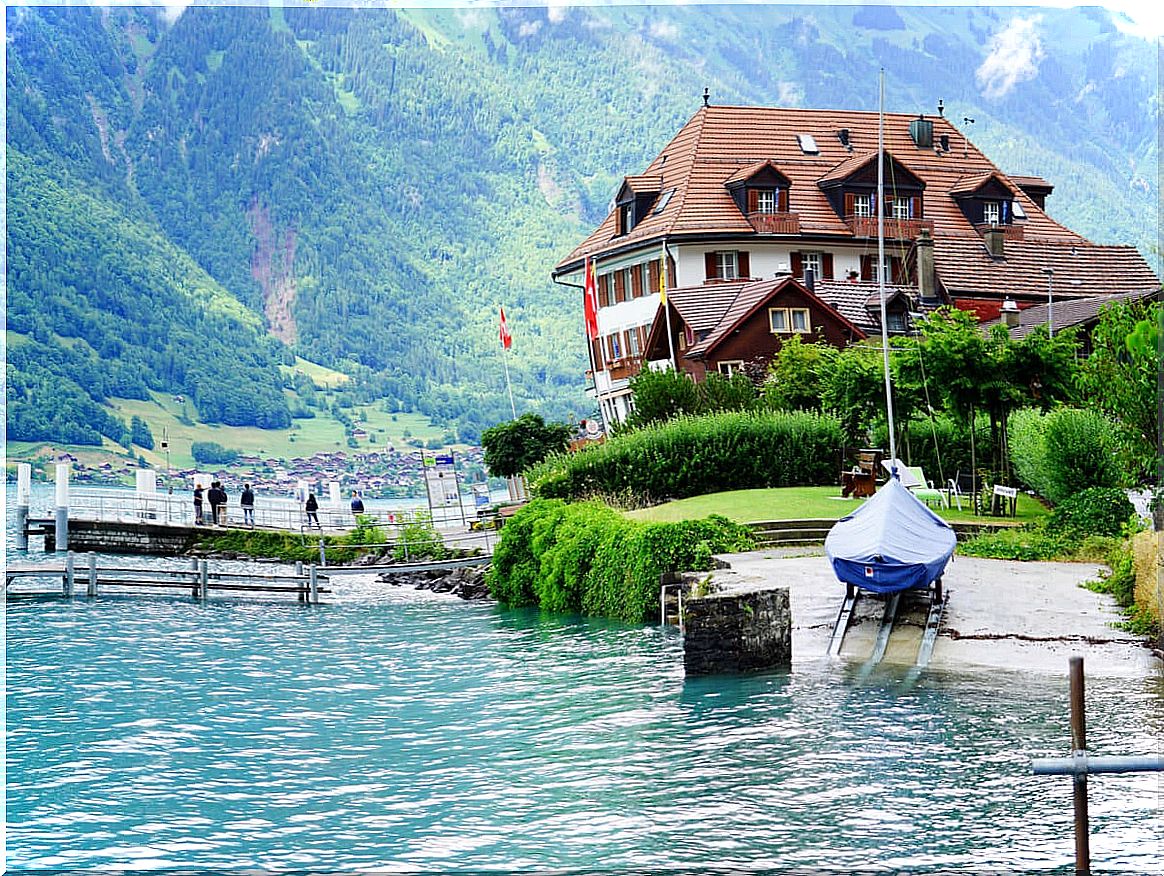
(23, 499)
(69, 574)
(62, 521)
(92, 589)
(1079, 746)
(203, 580)
(314, 584)
(322, 553)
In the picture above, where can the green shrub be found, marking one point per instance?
(418, 540)
(692, 456)
(1028, 543)
(1081, 453)
(1094, 511)
(585, 557)
(1027, 434)
(940, 445)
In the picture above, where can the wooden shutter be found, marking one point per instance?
(849, 204)
(596, 346)
(797, 265)
(867, 267)
(743, 264)
(619, 286)
(653, 276)
(636, 282)
(753, 200)
(915, 207)
(782, 200)
(826, 265)
(643, 334)
(604, 290)
(709, 265)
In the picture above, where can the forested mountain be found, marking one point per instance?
(192, 202)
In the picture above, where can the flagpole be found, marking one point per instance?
(508, 386)
(666, 311)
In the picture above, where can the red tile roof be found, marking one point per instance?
(1079, 311)
(719, 142)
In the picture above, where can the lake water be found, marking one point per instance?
(401, 730)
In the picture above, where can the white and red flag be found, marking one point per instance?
(590, 301)
(506, 337)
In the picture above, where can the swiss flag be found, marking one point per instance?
(506, 337)
(590, 301)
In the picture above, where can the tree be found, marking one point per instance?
(1121, 377)
(140, 434)
(797, 376)
(514, 446)
(661, 395)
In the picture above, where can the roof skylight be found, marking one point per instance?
(807, 144)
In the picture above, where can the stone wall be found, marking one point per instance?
(737, 632)
(125, 538)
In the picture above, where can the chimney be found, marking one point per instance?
(925, 265)
(1010, 313)
(994, 237)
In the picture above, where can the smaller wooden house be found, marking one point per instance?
(739, 326)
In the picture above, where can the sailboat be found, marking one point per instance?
(893, 542)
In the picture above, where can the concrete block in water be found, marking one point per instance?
(737, 632)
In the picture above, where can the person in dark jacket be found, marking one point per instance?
(357, 503)
(197, 504)
(312, 509)
(247, 502)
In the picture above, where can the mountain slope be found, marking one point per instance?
(371, 184)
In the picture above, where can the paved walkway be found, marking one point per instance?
(1002, 614)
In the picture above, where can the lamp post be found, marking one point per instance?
(1050, 272)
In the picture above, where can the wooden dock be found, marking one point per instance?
(200, 580)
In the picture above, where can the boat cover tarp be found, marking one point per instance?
(892, 542)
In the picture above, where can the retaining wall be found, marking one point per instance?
(737, 632)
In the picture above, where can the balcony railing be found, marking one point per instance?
(775, 223)
(624, 368)
(895, 229)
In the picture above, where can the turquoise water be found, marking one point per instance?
(399, 730)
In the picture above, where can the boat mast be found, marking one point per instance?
(881, 271)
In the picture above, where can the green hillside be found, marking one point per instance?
(194, 204)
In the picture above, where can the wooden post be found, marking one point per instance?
(62, 516)
(1079, 746)
(69, 573)
(322, 553)
(314, 584)
(203, 580)
(92, 591)
(194, 578)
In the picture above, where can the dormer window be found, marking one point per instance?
(991, 212)
(765, 200)
(628, 218)
(863, 206)
(901, 208)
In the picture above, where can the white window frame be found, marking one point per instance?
(901, 208)
(812, 261)
(887, 266)
(632, 342)
(614, 346)
(992, 212)
(730, 366)
(804, 329)
(727, 264)
(766, 201)
(863, 206)
(628, 217)
(785, 324)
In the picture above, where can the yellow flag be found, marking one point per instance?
(663, 278)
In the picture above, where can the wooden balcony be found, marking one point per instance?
(626, 367)
(895, 229)
(775, 223)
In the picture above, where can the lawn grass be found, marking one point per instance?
(799, 503)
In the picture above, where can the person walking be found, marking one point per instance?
(357, 503)
(312, 509)
(247, 503)
(197, 504)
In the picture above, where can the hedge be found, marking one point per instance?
(1061, 453)
(692, 456)
(587, 558)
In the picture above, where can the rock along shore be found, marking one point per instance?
(467, 583)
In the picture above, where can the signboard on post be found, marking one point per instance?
(440, 480)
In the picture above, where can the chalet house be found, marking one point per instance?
(1080, 313)
(743, 194)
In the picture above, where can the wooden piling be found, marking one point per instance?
(313, 582)
(70, 573)
(91, 590)
(203, 581)
(1079, 785)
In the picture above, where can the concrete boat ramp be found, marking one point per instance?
(999, 614)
